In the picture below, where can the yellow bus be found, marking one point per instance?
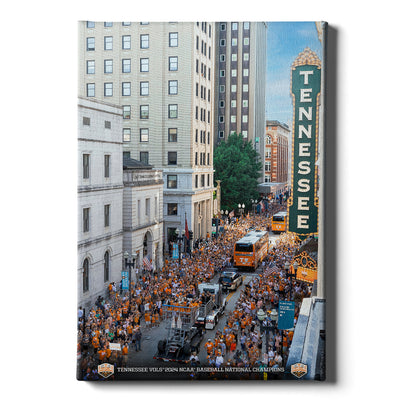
(279, 222)
(251, 249)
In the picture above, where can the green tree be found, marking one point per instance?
(236, 165)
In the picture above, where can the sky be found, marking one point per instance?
(285, 40)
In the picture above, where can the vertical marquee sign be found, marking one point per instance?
(305, 90)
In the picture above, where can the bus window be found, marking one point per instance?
(278, 218)
(243, 248)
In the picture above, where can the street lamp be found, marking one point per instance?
(128, 265)
(241, 208)
(179, 238)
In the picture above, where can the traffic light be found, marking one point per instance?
(190, 235)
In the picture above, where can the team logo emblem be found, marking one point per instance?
(105, 370)
(298, 370)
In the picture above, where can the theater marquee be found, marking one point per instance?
(305, 90)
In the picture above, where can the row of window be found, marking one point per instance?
(144, 134)
(172, 182)
(202, 114)
(234, 26)
(86, 166)
(91, 24)
(126, 66)
(86, 218)
(233, 72)
(245, 88)
(86, 122)
(202, 137)
(234, 42)
(221, 119)
(221, 134)
(246, 57)
(245, 103)
(85, 271)
(126, 42)
(203, 48)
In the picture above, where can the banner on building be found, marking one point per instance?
(125, 280)
(305, 90)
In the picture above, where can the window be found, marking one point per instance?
(173, 87)
(172, 134)
(234, 72)
(221, 104)
(246, 72)
(267, 178)
(172, 181)
(245, 56)
(234, 57)
(172, 209)
(85, 275)
(90, 89)
(196, 181)
(268, 140)
(108, 42)
(126, 23)
(107, 124)
(144, 111)
(246, 25)
(172, 158)
(108, 24)
(245, 88)
(233, 103)
(222, 73)
(222, 27)
(244, 134)
(126, 112)
(222, 42)
(246, 41)
(86, 166)
(89, 24)
(268, 152)
(126, 65)
(233, 89)
(86, 121)
(233, 118)
(197, 42)
(108, 89)
(173, 39)
(244, 118)
(221, 119)
(144, 88)
(106, 266)
(144, 134)
(208, 137)
(234, 41)
(86, 212)
(195, 158)
(172, 110)
(108, 66)
(90, 67)
(147, 207)
(245, 103)
(222, 88)
(107, 165)
(144, 65)
(222, 58)
(144, 157)
(234, 26)
(268, 166)
(173, 63)
(126, 88)
(126, 134)
(126, 42)
(106, 215)
(144, 41)
(90, 44)
(221, 134)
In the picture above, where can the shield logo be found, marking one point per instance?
(105, 370)
(298, 370)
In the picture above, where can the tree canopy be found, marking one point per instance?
(236, 165)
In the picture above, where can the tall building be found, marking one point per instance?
(276, 157)
(100, 194)
(241, 60)
(162, 75)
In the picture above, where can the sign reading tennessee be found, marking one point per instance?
(305, 90)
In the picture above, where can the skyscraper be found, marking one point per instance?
(241, 56)
(162, 75)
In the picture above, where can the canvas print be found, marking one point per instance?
(200, 201)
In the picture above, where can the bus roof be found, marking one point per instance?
(280, 213)
(252, 237)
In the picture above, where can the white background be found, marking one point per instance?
(38, 201)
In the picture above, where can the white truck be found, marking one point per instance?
(212, 305)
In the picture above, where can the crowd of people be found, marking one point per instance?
(121, 317)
